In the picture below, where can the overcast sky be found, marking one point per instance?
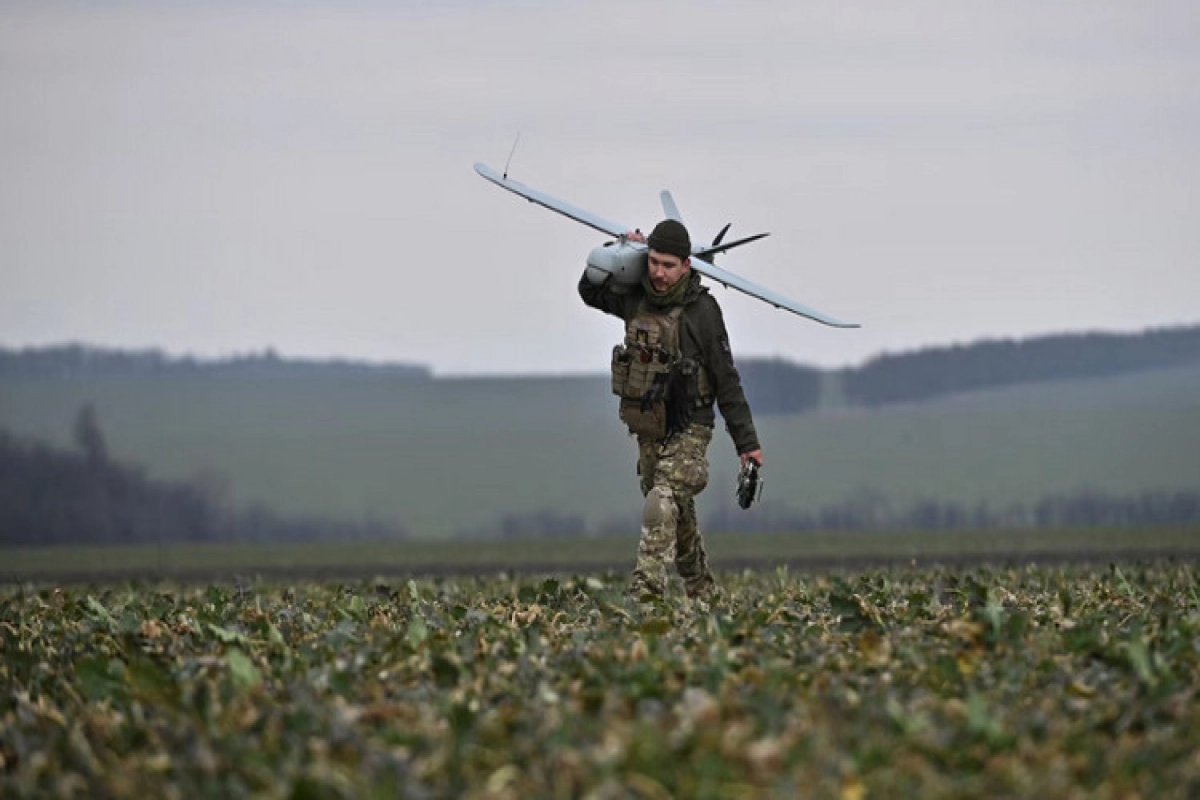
(219, 178)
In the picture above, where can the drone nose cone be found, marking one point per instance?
(623, 261)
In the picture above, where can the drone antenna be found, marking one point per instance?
(510, 154)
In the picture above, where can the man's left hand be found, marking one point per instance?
(755, 455)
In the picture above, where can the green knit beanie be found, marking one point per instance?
(669, 236)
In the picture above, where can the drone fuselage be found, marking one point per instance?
(624, 260)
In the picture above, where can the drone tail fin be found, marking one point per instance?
(669, 207)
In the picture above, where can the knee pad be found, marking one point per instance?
(659, 508)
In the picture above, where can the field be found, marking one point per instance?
(368, 559)
(450, 456)
(920, 682)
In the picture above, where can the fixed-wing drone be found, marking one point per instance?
(625, 259)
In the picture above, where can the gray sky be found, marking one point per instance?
(219, 178)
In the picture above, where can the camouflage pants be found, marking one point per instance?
(673, 473)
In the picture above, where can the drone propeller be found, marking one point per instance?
(721, 235)
(721, 248)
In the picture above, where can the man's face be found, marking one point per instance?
(666, 269)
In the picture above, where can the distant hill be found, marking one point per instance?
(487, 456)
(773, 386)
(990, 431)
(939, 371)
(256, 459)
(776, 386)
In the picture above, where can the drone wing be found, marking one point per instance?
(553, 203)
(704, 267)
(702, 262)
(724, 276)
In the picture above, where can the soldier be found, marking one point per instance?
(675, 361)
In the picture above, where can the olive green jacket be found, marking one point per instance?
(702, 337)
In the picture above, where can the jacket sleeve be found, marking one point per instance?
(603, 297)
(726, 382)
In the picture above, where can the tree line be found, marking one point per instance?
(75, 361)
(938, 371)
(777, 386)
(1085, 509)
(867, 511)
(54, 496)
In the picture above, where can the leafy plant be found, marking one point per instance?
(912, 682)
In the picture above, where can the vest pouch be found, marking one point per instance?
(650, 424)
(645, 366)
(621, 358)
(639, 374)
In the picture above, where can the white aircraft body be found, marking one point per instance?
(625, 260)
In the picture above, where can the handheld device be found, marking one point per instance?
(749, 484)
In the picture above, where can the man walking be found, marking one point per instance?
(674, 363)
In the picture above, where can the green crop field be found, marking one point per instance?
(915, 682)
(451, 456)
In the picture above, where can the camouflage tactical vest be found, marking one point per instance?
(643, 368)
